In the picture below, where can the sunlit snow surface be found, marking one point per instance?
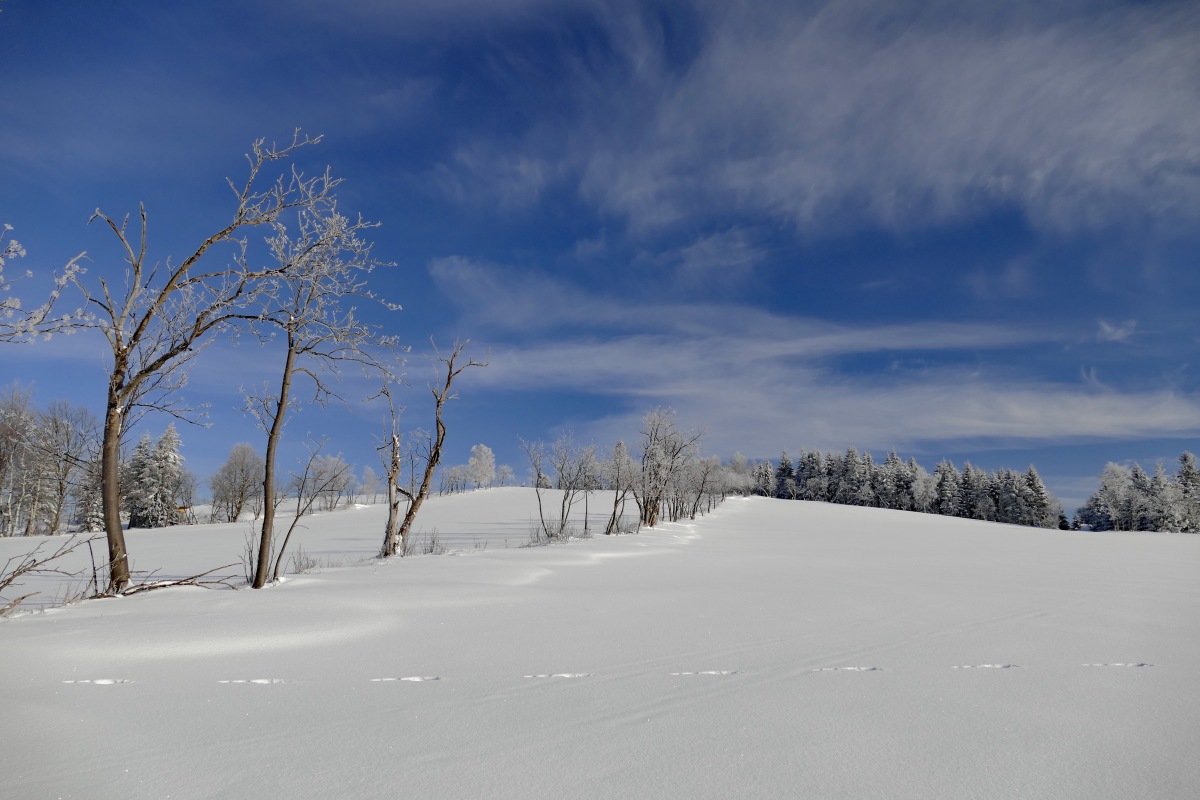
(772, 649)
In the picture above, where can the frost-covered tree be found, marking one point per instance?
(504, 475)
(1187, 499)
(1042, 510)
(18, 482)
(812, 477)
(948, 489)
(618, 473)
(309, 302)
(156, 315)
(739, 475)
(368, 484)
(155, 477)
(785, 478)
(924, 490)
(763, 475)
(666, 449)
(237, 485)
(481, 466)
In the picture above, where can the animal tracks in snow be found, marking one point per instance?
(988, 666)
(563, 675)
(1138, 664)
(553, 675)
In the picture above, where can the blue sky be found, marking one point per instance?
(957, 229)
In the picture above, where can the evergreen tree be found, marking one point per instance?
(1142, 501)
(866, 477)
(816, 479)
(1187, 483)
(947, 489)
(764, 479)
(924, 490)
(155, 477)
(785, 478)
(846, 491)
(1042, 512)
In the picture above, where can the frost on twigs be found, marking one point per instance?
(19, 324)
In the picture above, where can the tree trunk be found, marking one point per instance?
(391, 533)
(110, 494)
(263, 565)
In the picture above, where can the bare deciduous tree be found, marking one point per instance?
(322, 271)
(156, 316)
(238, 483)
(321, 477)
(452, 366)
(66, 436)
(665, 451)
(619, 472)
(504, 475)
(368, 484)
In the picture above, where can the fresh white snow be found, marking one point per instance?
(771, 649)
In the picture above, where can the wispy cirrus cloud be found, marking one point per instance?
(761, 380)
(836, 115)
(1116, 332)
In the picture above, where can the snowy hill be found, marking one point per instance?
(771, 649)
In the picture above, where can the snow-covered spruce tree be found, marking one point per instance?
(812, 476)
(866, 487)
(154, 478)
(785, 478)
(948, 480)
(764, 479)
(133, 481)
(1044, 510)
(1187, 499)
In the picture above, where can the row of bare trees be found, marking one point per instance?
(667, 479)
(44, 459)
(298, 288)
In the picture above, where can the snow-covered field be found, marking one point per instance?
(772, 649)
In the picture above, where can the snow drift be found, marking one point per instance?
(771, 649)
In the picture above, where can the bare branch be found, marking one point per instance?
(35, 563)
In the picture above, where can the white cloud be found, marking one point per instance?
(1121, 332)
(755, 401)
(846, 113)
(760, 380)
(723, 257)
